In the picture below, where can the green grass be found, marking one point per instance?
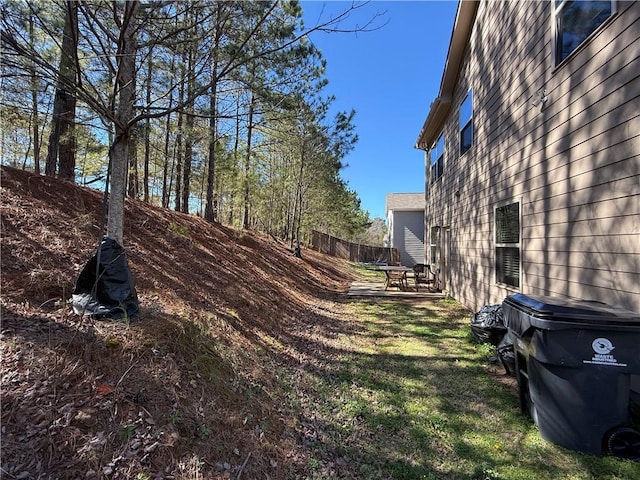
(406, 395)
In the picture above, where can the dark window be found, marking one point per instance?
(508, 266)
(437, 159)
(575, 21)
(466, 123)
(507, 223)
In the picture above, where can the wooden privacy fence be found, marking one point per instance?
(354, 252)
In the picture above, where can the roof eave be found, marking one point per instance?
(441, 106)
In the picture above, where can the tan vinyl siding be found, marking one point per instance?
(602, 245)
(573, 163)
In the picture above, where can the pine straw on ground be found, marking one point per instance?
(190, 388)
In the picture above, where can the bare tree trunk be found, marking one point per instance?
(211, 204)
(133, 185)
(188, 158)
(147, 131)
(247, 164)
(188, 150)
(124, 114)
(62, 145)
(201, 195)
(166, 179)
(178, 150)
(166, 189)
(34, 108)
(236, 162)
(36, 132)
(210, 212)
(51, 164)
(297, 209)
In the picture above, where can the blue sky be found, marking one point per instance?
(389, 77)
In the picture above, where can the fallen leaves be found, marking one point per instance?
(103, 389)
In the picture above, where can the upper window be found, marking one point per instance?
(575, 21)
(507, 223)
(437, 159)
(466, 123)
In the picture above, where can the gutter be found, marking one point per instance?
(441, 106)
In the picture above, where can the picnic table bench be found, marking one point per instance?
(395, 276)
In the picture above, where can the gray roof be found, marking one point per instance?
(405, 201)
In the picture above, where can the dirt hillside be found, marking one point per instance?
(189, 388)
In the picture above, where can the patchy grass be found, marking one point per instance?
(368, 272)
(405, 395)
(234, 370)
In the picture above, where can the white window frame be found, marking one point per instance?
(468, 123)
(517, 245)
(557, 7)
(434, 232)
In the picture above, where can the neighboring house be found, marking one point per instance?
(405, 224)
(533, 153)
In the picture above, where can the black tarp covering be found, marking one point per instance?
(105, 287)
(487, 325)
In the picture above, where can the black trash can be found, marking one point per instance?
(578, 371)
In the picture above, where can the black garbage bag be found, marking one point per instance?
(507, 353)
(112, 294)
(487, 325)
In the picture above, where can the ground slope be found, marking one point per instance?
(191, 387)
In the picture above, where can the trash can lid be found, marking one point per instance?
(573, 310)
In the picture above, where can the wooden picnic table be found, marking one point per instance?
(395, 276)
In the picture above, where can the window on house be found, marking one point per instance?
(437, 159)
(432, 245)
(507, 229)
(575, 21)
(466, 123)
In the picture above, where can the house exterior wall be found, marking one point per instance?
(407, 235)
(573, 162)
